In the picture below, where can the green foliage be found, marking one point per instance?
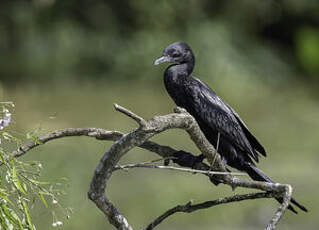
(21, 187)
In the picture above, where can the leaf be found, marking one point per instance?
(8, 213)
(39, 182)
(2, 153)
(36, 140)
(25, 187)
(7, 136)
(4, 197)
(27, 213)
(3, 222)
(43, 199)
(15, 178)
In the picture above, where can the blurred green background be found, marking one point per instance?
(64, 63)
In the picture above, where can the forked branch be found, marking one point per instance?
(180, 120)
(139, 137)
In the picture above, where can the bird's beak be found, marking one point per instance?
(162, 59)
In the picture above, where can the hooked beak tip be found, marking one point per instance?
(161, 60)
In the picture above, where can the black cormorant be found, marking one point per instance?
(217, 120)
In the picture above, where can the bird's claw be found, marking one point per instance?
(186, 159)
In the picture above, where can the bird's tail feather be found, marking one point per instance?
(258, 175)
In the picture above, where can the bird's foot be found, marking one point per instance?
(186, 159)
(215, 180)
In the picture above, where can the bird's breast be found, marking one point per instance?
(176, 89)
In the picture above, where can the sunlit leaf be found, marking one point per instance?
(8, 213)
(2, 157)
(4, 197)
(27, 213)
(15, 178)
(43, 199)
(36, 140)
(3, 222)
(25, 187)
(39, 182)
(7, 135)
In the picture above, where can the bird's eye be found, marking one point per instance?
(175, 54)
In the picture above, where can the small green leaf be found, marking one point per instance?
(25, 187)
(2, 154)
(36, 140)
(43, 199)
(39, 182)
(7, 135)
(27, 213)
(3, 222)
(15, 178)
(4, 197)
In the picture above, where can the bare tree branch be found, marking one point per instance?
(100, 134)
(282, 208)
(132, 115)
(189, 207)
(157, 124)
(128, 141)
(70, 132)
(139, 137)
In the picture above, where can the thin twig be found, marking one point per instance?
(210, 173)
(117, 167)
(155, 160)
(216, 152)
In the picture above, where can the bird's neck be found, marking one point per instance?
(183, 69)
(190, 63)
(189, 66)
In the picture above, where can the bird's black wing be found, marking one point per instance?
(218, 115)
(252, 140)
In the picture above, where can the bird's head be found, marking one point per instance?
(178, 52)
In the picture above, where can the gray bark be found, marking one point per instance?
(139, 137)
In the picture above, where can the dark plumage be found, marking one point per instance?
(237, 146)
